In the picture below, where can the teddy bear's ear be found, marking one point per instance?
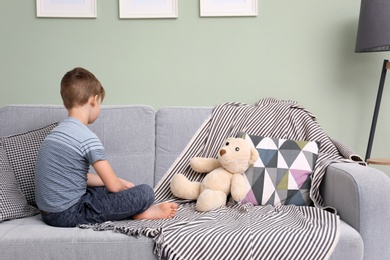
(254, 155)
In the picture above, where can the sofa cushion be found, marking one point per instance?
(30, 238)
(22, 150)
(281, 175)
(175, 126)
(12, 202)
(128, 137)
(127, 133)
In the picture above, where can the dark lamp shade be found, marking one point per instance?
(374, 26)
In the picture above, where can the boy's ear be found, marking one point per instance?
(94, 100)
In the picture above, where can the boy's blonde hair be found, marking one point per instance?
(78, 85)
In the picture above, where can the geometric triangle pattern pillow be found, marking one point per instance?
(282, 173)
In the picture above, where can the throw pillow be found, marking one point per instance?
(12, 202)
(22, 150)
(281, 175)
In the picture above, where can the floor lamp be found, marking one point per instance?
(374, 36)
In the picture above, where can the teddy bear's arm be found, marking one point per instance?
(204, 165)
(238, 188)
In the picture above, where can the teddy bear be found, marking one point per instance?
(224, 176)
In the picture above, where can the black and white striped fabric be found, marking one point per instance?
(245, 231)
(238, 232)
(269, 117)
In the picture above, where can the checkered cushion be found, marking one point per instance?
(12, 202)
(22, 150)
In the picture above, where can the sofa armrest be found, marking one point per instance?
(361, 196)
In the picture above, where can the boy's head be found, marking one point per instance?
(78, 85)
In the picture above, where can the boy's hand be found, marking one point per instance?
(127, 184)
(108, 177)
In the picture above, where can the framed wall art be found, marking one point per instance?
(148, 9)
(228, 8)
(66, 8)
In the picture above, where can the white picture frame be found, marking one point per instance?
(210, 8)
(138, 9)
(67, 8)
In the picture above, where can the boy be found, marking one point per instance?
(66, 194)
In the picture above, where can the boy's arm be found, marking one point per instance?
(107, 177)
(94, 180)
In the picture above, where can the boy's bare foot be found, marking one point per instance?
(158, 211)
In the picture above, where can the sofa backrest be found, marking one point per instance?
(141, 144)
(15, 119)
(127, 133)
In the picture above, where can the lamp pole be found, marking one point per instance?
(385, 67)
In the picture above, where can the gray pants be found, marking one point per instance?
(99, 205)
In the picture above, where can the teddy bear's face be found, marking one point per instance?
(236, 155)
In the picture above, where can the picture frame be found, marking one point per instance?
(210, 8)
(138, 9)
(66, 8)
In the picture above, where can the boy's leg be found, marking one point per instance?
(100, 205)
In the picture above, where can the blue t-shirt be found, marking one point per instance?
(63, 163)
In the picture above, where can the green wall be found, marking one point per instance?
(294, 49)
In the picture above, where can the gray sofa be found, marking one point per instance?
(139, 145)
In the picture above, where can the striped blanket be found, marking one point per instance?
(246, 231)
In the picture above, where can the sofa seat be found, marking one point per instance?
(30, 238)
